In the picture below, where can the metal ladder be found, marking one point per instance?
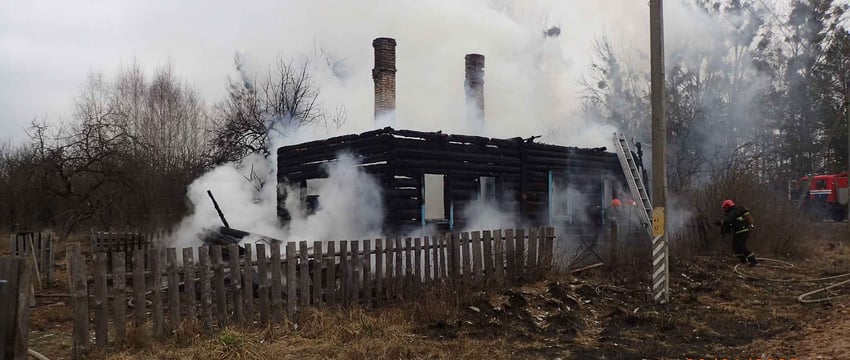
(634, 178)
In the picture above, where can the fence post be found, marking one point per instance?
(16, 274)
(79, 300)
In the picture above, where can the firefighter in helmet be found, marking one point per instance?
(738, 222)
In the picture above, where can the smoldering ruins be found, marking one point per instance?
(442, 182)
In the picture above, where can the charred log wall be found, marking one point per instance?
(399, 159)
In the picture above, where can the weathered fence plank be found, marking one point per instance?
(220, 290)
(15, 301)
(263, 283)
(389, 278)
(426, 244)
(379, 272)
(248, 284)
(487, 242)
(367, 273)
(498, 257)
(206, 288)
(100, 304)
(189, 282)
(119, 286)
(154, 256)
(291, 280)
(304, 275)
(277, 281)
(79, 300)
(139, 289)
(345, 274)
(235, 283)
(317, 273)
(531, 258)
(173, 288)
(510, 256)
(441, 252)
(417, 262)
(330, 275)
(454, 256)
(408, 263)
(466, 277)
(356, 264)
(477, 266)
(519, 252)
(399, 278)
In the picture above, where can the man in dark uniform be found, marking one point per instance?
(738, 221)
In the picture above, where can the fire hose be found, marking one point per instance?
(803, 298)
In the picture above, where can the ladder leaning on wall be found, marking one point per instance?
(634, 179)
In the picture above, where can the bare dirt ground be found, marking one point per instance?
(601, 314)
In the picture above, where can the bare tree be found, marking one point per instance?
(285, 100)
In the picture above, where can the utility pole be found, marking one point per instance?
(660, 263)
(847, 111)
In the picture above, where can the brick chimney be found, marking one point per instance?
(384, 76)
(474, 86)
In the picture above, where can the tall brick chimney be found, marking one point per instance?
(474, 86)
(384, 76)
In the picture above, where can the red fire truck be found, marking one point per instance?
(826, 197)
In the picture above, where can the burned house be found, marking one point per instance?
(427, 178)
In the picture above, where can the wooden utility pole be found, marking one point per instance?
(847, 111)
(660, 263)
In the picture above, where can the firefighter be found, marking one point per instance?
(738, 222)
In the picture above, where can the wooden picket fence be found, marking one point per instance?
(40, 248)
(266, 283)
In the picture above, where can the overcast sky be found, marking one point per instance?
(47, 49)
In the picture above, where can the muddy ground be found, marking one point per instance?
(601, 313)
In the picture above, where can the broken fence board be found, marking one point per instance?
(248, 285)
(218, 283)
(304, 275)
(189, 282)
(317, 273)
(173, 288)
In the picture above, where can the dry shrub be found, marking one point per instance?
(781, 228)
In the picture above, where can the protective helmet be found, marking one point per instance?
(616, 203)
(727, 204)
